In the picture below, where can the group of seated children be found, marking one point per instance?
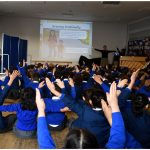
(112, 105)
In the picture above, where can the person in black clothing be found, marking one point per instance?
(104, 52)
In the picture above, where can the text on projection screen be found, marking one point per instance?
(64, 40)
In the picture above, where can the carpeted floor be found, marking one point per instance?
(10, 141)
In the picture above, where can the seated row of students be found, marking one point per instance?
(86, 87)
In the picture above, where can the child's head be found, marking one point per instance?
(28, 99)
(93, 97)
(35, 76)
(77, 78)
(12, 68)
(58, 74)
(80, 139)
(85, 76)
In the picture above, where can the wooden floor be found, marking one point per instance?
(10, 141)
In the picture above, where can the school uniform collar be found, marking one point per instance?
(97, 109)
(55, 98)
(128, 100)
(35, 82)
(65, 79)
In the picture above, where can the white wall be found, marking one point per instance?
(25, 28)
(112, 34)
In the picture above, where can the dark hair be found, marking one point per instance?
(77, 78)
(85, 76)
(35, 76)
(80, 139)
(12, 68)
(58, 74)
(28, 99)
(139, 103)
(95, 95)
(65, 73)
(51, 67)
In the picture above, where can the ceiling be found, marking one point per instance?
(125, 12)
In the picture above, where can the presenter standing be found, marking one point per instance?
(104, 58)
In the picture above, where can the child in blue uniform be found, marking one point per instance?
(26, 112)
(80, 138)
(6, 123)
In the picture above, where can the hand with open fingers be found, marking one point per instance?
(14, 74)
(12, 77)
(98, 79)
(107, 111)
(49, 84)
(112, 98)
(134, 75)
(40, 103)
(122, 83)
(71, 82)
(60, 83)
(41, 84)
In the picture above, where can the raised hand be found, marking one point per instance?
(12, 77)
(40, 104)
(71, 82)
(133, 78)
(134, 75)
(49, 84)
(122, 83)
(41, 84)
(98, 79)
(51, 87)
(107, 111)
(112, 98)
(60, 83)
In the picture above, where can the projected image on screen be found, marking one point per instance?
(65, 40)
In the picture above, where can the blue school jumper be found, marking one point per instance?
(138, 127)
(53, 115)
(144, 90)
(26, 120)
(116, 138)
(3, 93)
(93, 120)
(27, 82)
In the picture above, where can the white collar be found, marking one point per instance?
(55, 98)
(65, 79)
(84, 81)
(128, 100)
(97, 109)
(35, 82)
